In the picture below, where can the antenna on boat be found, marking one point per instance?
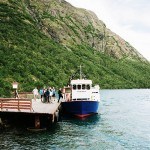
(80, 72)
(77, 74)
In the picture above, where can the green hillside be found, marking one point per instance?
(31, 57)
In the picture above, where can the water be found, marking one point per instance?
(123, 123)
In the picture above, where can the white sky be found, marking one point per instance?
(128, 18)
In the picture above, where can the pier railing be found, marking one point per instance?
(18, 104)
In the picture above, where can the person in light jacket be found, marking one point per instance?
(35, 93)
(41, 92)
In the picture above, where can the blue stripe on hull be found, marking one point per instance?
(80, 107)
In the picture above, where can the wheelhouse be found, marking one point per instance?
(81, 89)
(81, 84)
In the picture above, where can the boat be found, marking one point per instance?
(80, 98)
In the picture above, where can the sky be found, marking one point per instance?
(130, 19)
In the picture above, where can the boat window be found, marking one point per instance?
(79, 87)
(83, 86)
(88, 87)
(74, 87)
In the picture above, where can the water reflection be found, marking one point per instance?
(93, 119)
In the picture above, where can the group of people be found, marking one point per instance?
(47, 95)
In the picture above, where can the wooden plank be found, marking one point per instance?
(14, 99)
(5, 105)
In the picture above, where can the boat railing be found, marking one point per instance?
(13, 103)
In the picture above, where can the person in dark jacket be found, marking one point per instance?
(47, 93)
(59, 95)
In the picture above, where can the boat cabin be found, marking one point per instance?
(81, 90)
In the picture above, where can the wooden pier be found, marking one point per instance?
(30, 107)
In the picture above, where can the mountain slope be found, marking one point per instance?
(44, 41)
(70, 26)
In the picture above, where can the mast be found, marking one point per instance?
(80, 72)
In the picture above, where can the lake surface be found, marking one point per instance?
(123, 123)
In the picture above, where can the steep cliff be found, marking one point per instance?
(73, 26)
